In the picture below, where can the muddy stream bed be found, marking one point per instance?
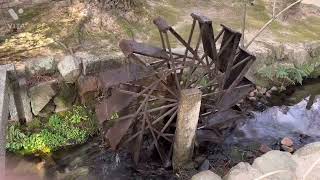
(285, 116)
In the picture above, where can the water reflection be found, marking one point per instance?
(278, 122)
(290, 117)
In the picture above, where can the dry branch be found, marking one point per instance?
(271, 20)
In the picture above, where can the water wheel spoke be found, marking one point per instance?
(160, 134)
(198, 41)
(216, 73)
(180, 39)
(171, 59)
(155, 139)
(194, 68)
(169, 121)
(189, 43)
(164, 115)
(133, 137)
(166, 126)
(162, 107)
(168, 89)
(152, 96)
(137, 151)
(144, 102)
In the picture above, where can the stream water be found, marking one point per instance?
(286, 116)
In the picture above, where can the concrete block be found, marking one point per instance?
(94, 64)
(4, 113)
(41, 66)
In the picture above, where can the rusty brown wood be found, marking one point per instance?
(221, 117)
(241, 60)
(161, 24)
(224, 69)
(208, 135)
(229, 64)
(180, 39)
(226, 49)
(120, 128)
(169, 121)
(136, 155)
(194, 68)
(219, 35)
(171, 58)
(130, 46)
(162, 107)
(231, 98)
(189, 43)
(135, 94)
(164, 115)
(241, 75)
(156, 141)
(208, 41)
(162, 41)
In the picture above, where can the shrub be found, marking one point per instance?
(73, 127)
(284, 75)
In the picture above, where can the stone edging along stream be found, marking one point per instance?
(304, 164)
(47, 83)
(53, 84)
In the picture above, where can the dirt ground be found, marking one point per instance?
(62, 28)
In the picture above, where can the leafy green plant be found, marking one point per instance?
(74, 127)
(284, 75)
(15, 138)
(114, 115)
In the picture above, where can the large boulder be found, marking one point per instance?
(41, 66)
(206, 175)
(308, 160)
(313, 148)
(70, 69)
(243, 171)
(276, 161)
(41, 94)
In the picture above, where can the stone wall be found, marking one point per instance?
(277, 53)
(52, 84)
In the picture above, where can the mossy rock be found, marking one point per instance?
(65, 98)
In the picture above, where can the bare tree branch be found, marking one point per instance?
(244, 17)
(274, 8)
(271, 20)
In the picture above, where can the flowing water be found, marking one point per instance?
(287, 116)
(291, 119)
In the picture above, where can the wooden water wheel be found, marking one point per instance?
(152, 95)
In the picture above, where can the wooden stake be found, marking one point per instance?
(188, 116)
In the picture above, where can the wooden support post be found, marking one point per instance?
(311, 101)
(4, 113)
(188, 116)
(16, 94)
